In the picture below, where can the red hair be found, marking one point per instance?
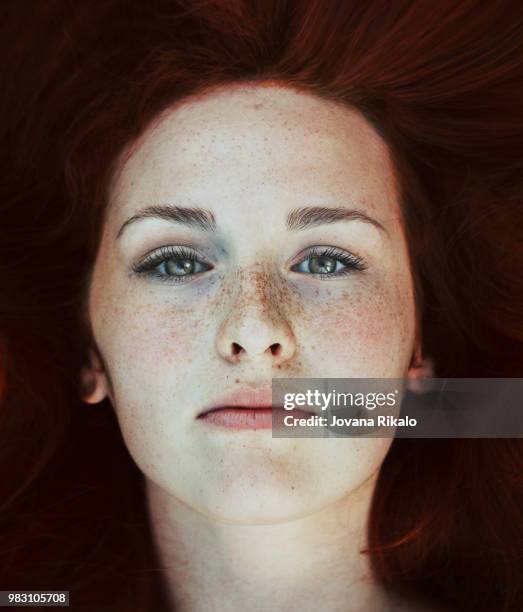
(442, 82)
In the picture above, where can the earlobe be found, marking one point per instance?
(93, 380)
(420, 367)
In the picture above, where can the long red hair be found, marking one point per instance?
(442, 82)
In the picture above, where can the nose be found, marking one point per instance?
(255, 330)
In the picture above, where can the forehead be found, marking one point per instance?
(240, 136)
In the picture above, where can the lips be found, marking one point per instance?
(247, 399)
(243, 418)
(250, 399)
(247, 409)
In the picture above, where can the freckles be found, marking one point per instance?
(224, 292)
(174, 346)
(177, 339)
(359, 321)
(259, 288)
(341, 316)
(149, 332)
(277, 299)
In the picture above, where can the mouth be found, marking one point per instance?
(247, 409)
(244, 417)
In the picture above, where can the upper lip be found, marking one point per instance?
(245, 398)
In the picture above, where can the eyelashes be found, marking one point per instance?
(331, 260)
(171, 264)
(176, 264)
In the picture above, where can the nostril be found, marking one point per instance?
(275, 349)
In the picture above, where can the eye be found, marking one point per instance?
(329, 261)
(170, 263)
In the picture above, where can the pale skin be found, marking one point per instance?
(242, 520)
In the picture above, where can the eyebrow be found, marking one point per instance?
(297, 219)
(192, 217)
(311, 216)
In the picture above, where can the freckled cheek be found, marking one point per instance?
(151, 337)
(359, 329)
(342, 330)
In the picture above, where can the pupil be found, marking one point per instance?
(179, 267)
(317, 265)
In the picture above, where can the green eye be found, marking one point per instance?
(171, 264)
(180, 267)
(322, 265)
(329, 261)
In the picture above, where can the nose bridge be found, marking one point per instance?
(255, 322)
(259, 289)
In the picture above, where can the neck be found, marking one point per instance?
(307, 563)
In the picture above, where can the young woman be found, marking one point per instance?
(201, 197)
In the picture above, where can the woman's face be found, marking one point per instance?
(277, 217)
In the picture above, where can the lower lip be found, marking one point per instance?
(249, 418)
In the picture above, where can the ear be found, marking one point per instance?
(420, 367)
(93, 381)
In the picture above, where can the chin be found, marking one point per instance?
(256, 511)
(260, 502)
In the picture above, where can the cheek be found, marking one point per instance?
(165, 336)
(367, 333)
(151, 353)
(148, 345)
(152, 333)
